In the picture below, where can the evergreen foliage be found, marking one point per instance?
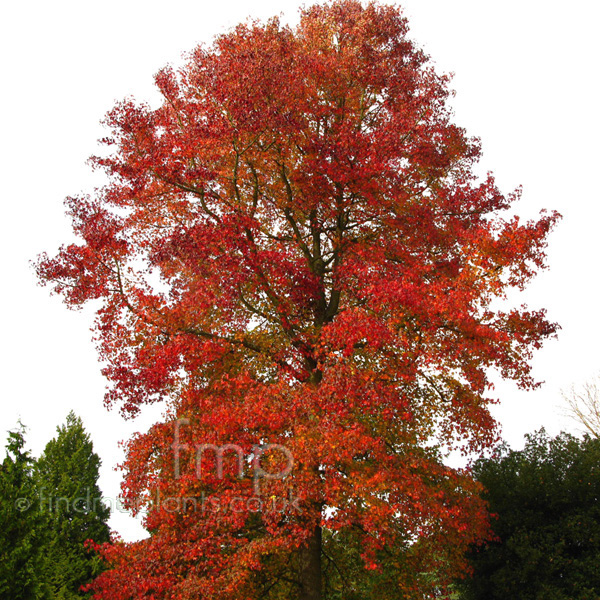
(67, 475)
(547, 525)
(22, 533)
(49, 509)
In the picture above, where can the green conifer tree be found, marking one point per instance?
(23, 531)
(67, 480)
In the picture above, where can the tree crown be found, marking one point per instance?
(293, 248)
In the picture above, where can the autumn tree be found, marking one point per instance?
(66, 477)
(547, 522)
(293, 249)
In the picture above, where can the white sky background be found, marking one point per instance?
(526, 73)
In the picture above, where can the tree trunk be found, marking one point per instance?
(310, 568)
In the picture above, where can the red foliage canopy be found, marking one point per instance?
(293, 250)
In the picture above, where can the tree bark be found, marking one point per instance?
(310, 567)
